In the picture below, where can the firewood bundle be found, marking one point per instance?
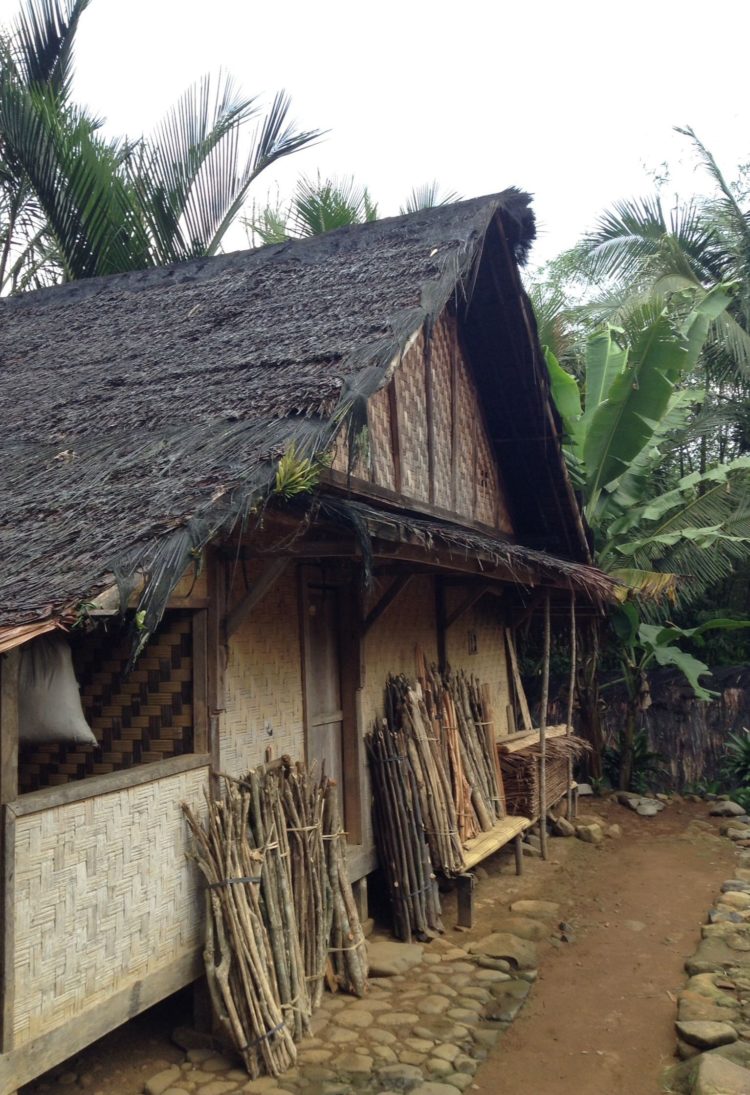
(281, 920)
(403, 851)
(436, 784)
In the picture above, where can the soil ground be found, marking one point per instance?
(599, 1020)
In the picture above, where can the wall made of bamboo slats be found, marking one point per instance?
(465, 475)
(263, 679)
(481, 629)
(104, 896)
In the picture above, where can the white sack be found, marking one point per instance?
(49, 701)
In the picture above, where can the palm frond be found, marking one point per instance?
(40, 43)
(427, 196)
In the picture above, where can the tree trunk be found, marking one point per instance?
(589, 704)
(626, 746)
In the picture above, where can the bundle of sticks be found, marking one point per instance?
(239, 953)
(278, 933)
(403, 851)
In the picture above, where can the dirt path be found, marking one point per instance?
(600, 1018)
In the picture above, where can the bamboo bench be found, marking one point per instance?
(479, 848)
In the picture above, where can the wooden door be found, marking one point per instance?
(324, 714)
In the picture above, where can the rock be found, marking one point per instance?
(627, 798)
(340, 1036)
(400, 1077)
(562, 827)
(735, 885)
(725, 916)
(357, 1063)
(419, 1045)
(490, 975)
(388, 958)
(585, 789)
(216, 1063)
(524, 927)
(437, 1067)
(647, 809)
(726, 827)
(432, 1005)
(398, 1019)
(540, 910)
(735, 899)
(715, 1075)
(726, 808)
(411, 1057)
(432, 1087)
(357, 1019)
(614, 832)
(218, 1087)
(520, 952)
(706, 1035)
(712, 956)
(591, 834)
(498, 965)
(159, 1083)
(529, 849)
(739, 834)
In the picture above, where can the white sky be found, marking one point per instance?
(567, 99)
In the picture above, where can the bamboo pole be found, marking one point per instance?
(543, 731)
(571, 692)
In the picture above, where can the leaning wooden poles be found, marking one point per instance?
(543, 730)
(571, 694)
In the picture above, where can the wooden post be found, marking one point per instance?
(440, 615)
(465, 900)
(9, 671)
(571, 691)
(518, 849)
(543, 732)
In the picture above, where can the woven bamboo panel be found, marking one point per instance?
(143, 717)
(521, 782)
(412, 422)
(443, 342)
(263, 681)
(104, 896)
(381, 442)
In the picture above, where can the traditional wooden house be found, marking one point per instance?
(275, 474)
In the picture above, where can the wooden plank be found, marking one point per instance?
(486, 844)
(517, 682)
(430, 416)
(94, 786)
(24, 1063)
(267, 580)
(9, 671)
(390, 499)
(200, 682)
(352, 747)
(454, 417)
(516, 743)
(543, 730)
(397, 586)
(8, 935)
(395, 432)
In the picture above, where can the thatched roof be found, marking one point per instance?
(144, 412)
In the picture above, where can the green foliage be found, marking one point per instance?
(647, 766)
(736, 765)
(295, 475)
(318, 205)
(427, 196)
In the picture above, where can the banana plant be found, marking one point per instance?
(661, 539)
(617, 423)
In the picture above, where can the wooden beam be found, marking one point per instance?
(9, 672)
(430, 416)
(397, 586)
(517, 682)
(454, 416)
(395, 431)
(8, 933)
(352, 744)
(200, 682)
(268, 578)
(342, 547)
(543, 731)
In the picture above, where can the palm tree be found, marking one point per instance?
(77, 204)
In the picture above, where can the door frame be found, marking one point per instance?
(343, 577)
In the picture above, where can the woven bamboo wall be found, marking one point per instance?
(142, 717)
(263, 680)
(104, 896)
(484, 623)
